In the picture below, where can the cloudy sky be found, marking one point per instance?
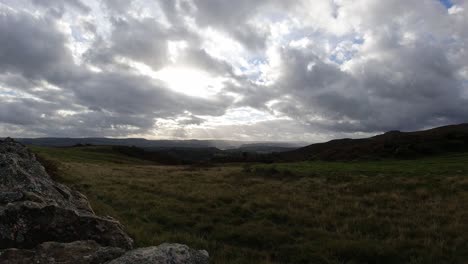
(303, 70)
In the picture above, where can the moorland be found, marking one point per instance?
(390, 209)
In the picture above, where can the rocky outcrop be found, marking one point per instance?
(78, 252)
(42, 221)
(165, 253)
(36, 209)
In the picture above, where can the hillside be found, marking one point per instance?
(390, 145)
(155, 144)
(393, 144)
(385, 211)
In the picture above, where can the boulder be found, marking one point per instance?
(165, 253)
(25, 224)
(42, 221)
(36, 209)
(23, 177)
(78, 252)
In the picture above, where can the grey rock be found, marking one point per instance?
(8, 197)
(26, 224)
(42, 221)
(164, 254)
(78, 252)
(21, 173)
(35, 209)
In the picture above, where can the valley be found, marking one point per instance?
(387, 211)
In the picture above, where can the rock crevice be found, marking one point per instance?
(42, 221)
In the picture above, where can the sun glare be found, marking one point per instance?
(191, 82)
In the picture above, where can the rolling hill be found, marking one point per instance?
(160, 144)
(393, 144)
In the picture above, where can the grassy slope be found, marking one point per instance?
(310, 212)
(394, 144)
(91, 154)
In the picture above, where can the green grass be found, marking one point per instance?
(90, 154)
(310, 212)
(453, 164)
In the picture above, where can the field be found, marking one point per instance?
(410, 211)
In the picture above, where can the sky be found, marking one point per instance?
(268, 70)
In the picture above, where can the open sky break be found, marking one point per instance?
(304, 70)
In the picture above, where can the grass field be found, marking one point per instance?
(311, 212)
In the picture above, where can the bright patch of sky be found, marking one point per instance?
(191, 81)
(239, 116)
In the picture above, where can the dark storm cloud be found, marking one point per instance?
(15, 80)
(32, 47)
(119, 6)
(232, 17)
(58, 8)
(142, 40)
(191, 120)
(127, 93)
(17, 113)
(199, 58)
(72, 3)
(408, 89)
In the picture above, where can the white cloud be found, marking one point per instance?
(266, 69)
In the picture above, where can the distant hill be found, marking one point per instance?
(155, 144)
(265, 148)
(170, 156)
(390, 145)
(172, 152)
(393, 144)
